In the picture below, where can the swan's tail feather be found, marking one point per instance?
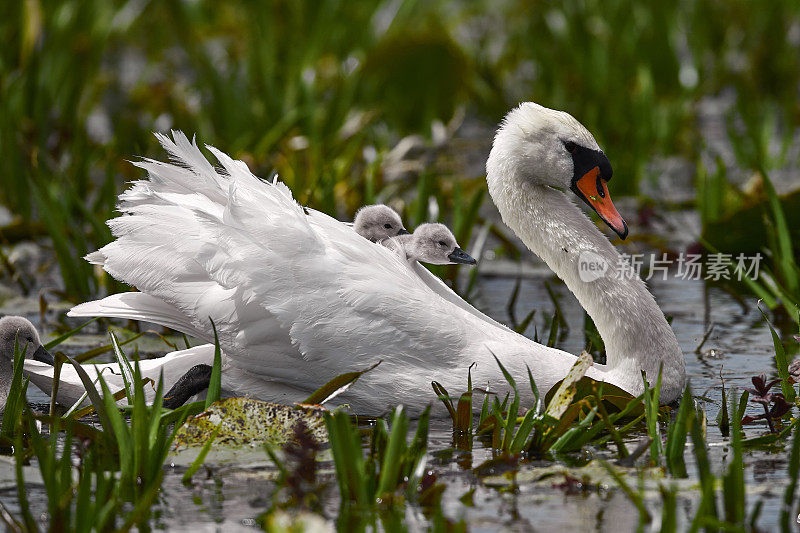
(137, 306)
(96, 258)
(70, 389)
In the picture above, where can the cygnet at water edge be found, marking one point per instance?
(19, 329)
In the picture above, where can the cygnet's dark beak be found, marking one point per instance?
(460, 256)
(44, 356)
(403, 231)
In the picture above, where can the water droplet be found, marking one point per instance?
(713, 353)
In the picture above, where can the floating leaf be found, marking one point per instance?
(246, 422)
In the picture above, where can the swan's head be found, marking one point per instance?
(378, 222)
(19, 329)
(548, 147)
(435, 244)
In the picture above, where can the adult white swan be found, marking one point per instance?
(299, 297)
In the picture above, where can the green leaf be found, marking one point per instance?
(61, 338)
(124, 366)
(92, 393)
(733, 491)
(415, 457)
(781, 362)
(677, 433)
(523, 432)
(444, 396)
(787, 513)
(651, 403)
(336, 386)
(347, 458)
(17, 394)
(395, 449)
(215, 383)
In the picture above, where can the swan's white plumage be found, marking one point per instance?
(299, 297)
(296, 298)
(70, 387)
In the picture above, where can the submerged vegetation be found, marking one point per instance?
(395, 101)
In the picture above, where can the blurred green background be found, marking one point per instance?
(322, 91)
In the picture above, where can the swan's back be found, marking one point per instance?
(295, 297)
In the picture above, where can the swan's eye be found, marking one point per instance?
(600, 190)
(570, 146)
(387, 226)
(442, 243)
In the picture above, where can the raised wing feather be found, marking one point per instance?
(294, 296)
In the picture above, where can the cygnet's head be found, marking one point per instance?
(378, 222)
(435, 244)
(16, 330)
(548, 147)
(20, 329)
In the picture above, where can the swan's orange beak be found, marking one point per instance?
(593, 190)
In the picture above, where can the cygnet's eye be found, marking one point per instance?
(570, 146)
(442, 243)
(387, 226)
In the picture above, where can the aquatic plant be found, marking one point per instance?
(775, 405)
(121, 463)
(297, 484)
(575, 414)
(391, 463)
(78, 499)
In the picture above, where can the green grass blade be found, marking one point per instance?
(444, 396)
(677, 433)
(524, 431)
(22, 495)
(781, 362)
(395, 449)
(415, 457)
(733, 490)
(92, 393)
(347, 458)
(124, 367)
(651, 416)
(506, 375)
(61, 338)
(534, 388)
(510, 423)
(16, 397)
(787, 515)
(215, 383)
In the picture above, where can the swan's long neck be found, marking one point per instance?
(636, 335)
